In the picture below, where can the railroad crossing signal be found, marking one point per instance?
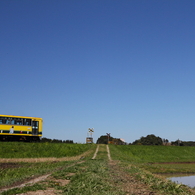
(89, 139)
(91, 131)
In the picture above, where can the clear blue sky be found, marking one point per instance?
(121, 67)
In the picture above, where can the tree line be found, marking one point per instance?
(44, 139)
(155, 140)
(148, 140)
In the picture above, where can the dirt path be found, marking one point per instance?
(127, 182)
(122, 179)
(73, 158)
(95, 154)
(31, 182)
(108, 151)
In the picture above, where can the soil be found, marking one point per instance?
(9, 165)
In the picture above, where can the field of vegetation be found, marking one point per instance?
(158, 159)
(131, 167)
(40, 150)
(151, 154)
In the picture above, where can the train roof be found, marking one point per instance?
(2, 115)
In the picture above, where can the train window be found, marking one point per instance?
(27, 121)
(4, 120)
(17, 121)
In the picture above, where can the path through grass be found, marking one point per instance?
(108, 170)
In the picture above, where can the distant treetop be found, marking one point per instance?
(149, 140)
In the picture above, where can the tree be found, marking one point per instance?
(149, 140)
(104, 139)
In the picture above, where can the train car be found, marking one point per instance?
(20, 128)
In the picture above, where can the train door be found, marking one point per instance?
(35, 127)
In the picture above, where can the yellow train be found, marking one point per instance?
(20, 128)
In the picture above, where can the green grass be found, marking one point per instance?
(102, 152)
(151, 157)
(94, 176)
(142, 161)
(169, 168)
(150, 154)
(35, 187)
(16, 172)
(37, 150)
(23, 171)
(90, 177)
(158, 184)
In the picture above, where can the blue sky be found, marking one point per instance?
(120, 67)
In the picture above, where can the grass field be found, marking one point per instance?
(86, 176)
(40, 150)
(151, 154)
(158, 159)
